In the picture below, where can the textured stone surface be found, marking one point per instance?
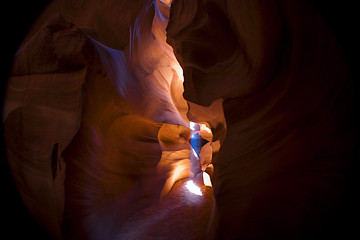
(288, 105)
(81, 113)
(42, 109)
(280, 103)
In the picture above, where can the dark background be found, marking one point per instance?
(17, 18)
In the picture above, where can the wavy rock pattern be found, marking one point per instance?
(97, 111)
(288, 107)
(42, 112)
(95, 122)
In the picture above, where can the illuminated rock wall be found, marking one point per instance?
(91, 89)
(80, 113)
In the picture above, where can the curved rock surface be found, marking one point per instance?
(289, 109)
(81, 123)
(96, 125)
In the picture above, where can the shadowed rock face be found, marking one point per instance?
(287, 102)
(96, 125)
(41, 114)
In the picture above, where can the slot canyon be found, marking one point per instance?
(179, 119)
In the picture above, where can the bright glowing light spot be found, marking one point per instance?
(204, 127)
(190, 185)
(192, 126)
(195, 154)
(206, 179)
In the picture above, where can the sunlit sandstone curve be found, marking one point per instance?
(99, 112)
(115, 165)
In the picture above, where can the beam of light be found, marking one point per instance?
(190, 185)
(206, 179)
(195, 127)
(195, 154)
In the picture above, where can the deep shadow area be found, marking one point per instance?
(341, 19)
(18, 17)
